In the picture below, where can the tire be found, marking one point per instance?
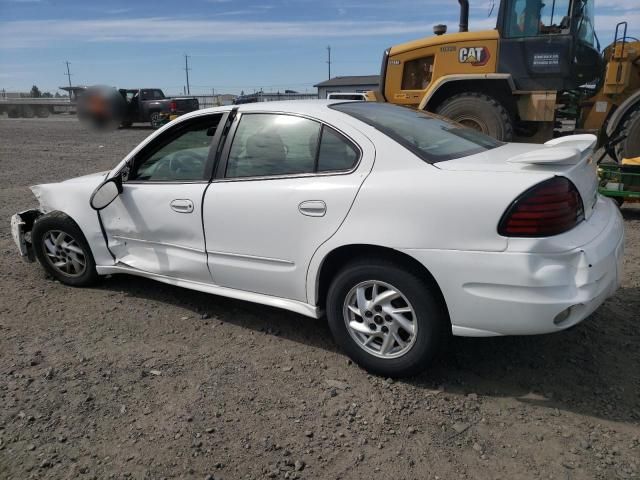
(630, 128)
(428, 318)
(155, 120)
(28, 111)
(479, 112)
(42, 112)
(72, 251)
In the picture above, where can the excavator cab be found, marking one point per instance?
(548, 44)
(539, 69)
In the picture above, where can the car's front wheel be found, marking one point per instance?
(62, 250)
(389, 320)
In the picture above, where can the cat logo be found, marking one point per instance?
(476, 56)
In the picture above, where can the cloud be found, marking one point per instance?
(617, 4)
(34, 33)
(37, 33)
(117, 11)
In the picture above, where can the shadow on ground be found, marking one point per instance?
(592, 369)
(630, 213)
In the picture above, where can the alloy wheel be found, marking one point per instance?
(380, 319)
(64, 253)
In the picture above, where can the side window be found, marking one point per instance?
(417, 73)
(530, 18)
(151, 95)
(271, 144)
(180, 155)
(554, 17)
(336, 152)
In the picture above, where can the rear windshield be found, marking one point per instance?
(432, 138)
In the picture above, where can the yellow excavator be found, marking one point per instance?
(538, 74)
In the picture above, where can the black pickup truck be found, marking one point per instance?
(150, 105)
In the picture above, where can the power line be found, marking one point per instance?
(186, 71)
(68, 74)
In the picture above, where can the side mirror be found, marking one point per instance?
(106, 193)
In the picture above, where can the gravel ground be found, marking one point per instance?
(137, 379)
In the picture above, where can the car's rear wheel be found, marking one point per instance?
(62, 250)
(156, 120)
(388, 320)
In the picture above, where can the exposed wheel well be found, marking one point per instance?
(59, 214)
(341, 256)
(498, 89)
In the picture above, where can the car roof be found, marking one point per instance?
(287, 106)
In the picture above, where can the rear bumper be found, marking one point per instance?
(528, 293)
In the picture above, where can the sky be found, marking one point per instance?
(233, 45)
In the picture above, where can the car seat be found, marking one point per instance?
(265, 154)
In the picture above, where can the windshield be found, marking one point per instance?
(586, 27)
(434, 139)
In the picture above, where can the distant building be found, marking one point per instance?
(8, 95)
(355, 83)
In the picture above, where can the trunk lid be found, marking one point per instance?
(569, 157)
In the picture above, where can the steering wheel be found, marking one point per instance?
(185, 161)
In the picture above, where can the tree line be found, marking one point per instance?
(36, 93)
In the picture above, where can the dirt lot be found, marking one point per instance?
(136, 379)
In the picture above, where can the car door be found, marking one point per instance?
(284, 186)
(155, 224)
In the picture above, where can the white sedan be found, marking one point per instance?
(403, 227)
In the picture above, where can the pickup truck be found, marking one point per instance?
(150, 105)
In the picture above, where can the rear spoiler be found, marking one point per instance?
(569, 150)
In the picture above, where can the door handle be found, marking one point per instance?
(182, 205)
(313, 208)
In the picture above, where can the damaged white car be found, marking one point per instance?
(402, 227)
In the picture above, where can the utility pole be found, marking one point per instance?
(68, 74)
(329, 60)
(186, 71)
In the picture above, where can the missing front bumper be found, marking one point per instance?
(21, 225)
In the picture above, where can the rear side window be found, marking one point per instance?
(267, 145)
(152, 94)
(432, 138)
(336, 152)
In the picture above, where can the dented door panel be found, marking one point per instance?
(145, 232)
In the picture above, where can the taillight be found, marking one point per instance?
(173, 106)
(549, 208)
